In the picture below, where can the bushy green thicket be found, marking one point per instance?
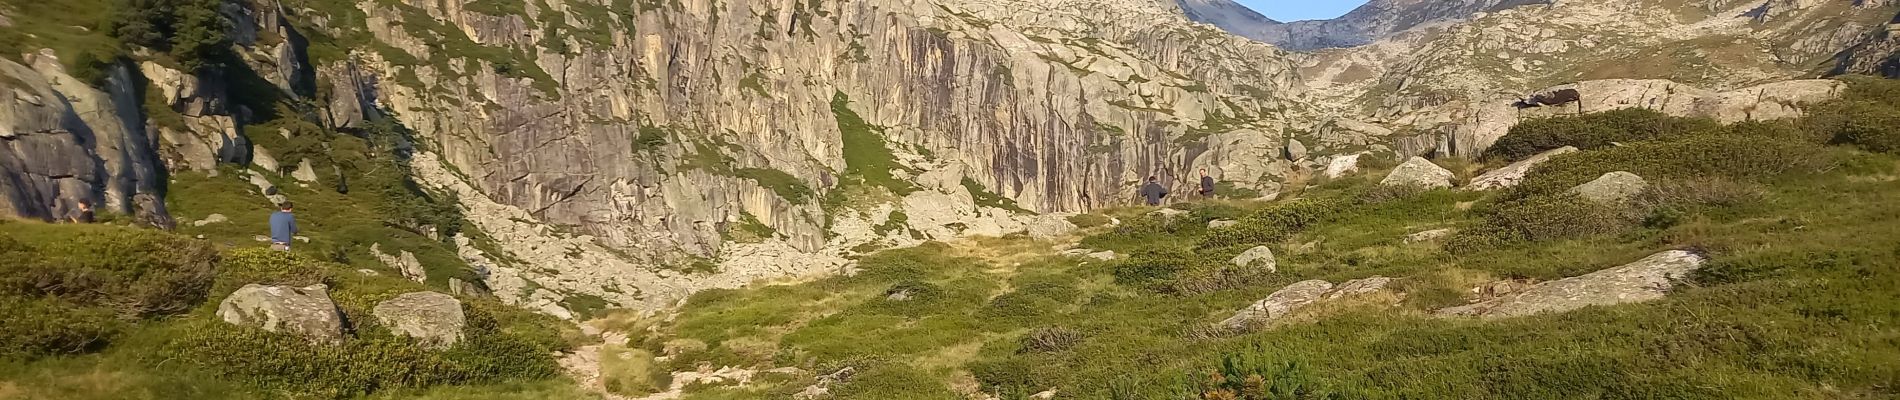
(1277, 222)
(145, 299)
(192, 32)
(1086, 221)
(1692, 169)
(1691, 163)
(1867, 116)
(370, 362)
(72, 288)
(1592, 131)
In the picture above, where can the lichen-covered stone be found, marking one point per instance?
(307, 311)
(434, 318)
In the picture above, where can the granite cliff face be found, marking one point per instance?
(605, 145)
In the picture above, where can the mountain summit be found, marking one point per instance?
(1375, 20)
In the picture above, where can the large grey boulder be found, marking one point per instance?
(306, 311)
(1644, 280)
(1259, 256)
(1612, 188)
(434, 318)
(1513, 174)
(1427, 236)
(1419, 173)
(1295, 150)
(305, 172)
(1342, 165)
(1049, 226)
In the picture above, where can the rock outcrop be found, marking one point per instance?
(1343, 165)
(307, 311)
(1612, 188)
(1428, 236)
(1257, 257)
(435, 319)
(403, 262)
(1419, 173)
(68, 142)
(1297, 296)
(1644, 280)
(1511, 175)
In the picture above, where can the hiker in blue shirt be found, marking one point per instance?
(283, 228)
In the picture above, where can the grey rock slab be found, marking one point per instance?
(1644, 280)
(1612, 188)
(307, 311)
(434, 318)
(1420, 173)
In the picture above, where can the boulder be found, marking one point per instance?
(1051, 226)
(1103, 255)
(1643, 280)
(211, 219)
(403, 261)
(305, 172)
(432, 317)
(1221, 223)
(307, 311)
(1295, 150)
(1513, 174)
(463, 288)
(1420, 173)
(1342, 165)
(1259, 256)
(1168, 213)
(1300, 295)
(1428, 236)
(1612, 188)
(1358, 287)
(1279, 304)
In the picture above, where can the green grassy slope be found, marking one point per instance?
(1798, 302)
(115, 312)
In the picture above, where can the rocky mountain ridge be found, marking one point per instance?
(604, 144)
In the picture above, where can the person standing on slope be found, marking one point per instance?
(82, 215)
(1153, 191)
(283, 228)
(1207, 185)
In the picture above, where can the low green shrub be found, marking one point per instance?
(1086, 221)
(1536, 219)
(1869, 125)
(1240, 377)
(1051, 339)
(1738, 158)
(136, 272)
(1592, 131)
(1276, 223)
(38, 327)
(373, 361)
(263, 266)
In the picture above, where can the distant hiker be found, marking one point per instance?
(1207, 185)
(1153, 191)
(81, 215)
(283, 227)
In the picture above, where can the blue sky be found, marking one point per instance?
(1300, 10)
